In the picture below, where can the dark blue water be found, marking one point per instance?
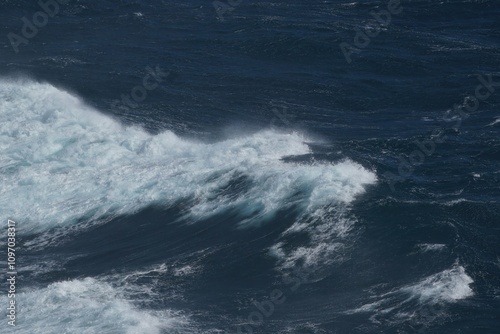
(251, 167)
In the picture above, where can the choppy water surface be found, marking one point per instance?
(259, 167)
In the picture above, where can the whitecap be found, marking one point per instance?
(422, 302)
(88, 306)
(64, 162)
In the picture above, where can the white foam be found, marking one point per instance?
(431, 294)
(132, 284)
(328, 228)
(457, 201)
(61, 161)
(147, 284)
(88, 306)
(447, 286)
(431, 247)
(497, 120)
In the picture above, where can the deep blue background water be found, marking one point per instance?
(278, 64)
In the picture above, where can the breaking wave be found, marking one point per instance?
(101, 308)
(422, 302)
(63, 161)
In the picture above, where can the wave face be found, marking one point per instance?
(62, 161)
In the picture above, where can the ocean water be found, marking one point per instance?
(251, 167)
